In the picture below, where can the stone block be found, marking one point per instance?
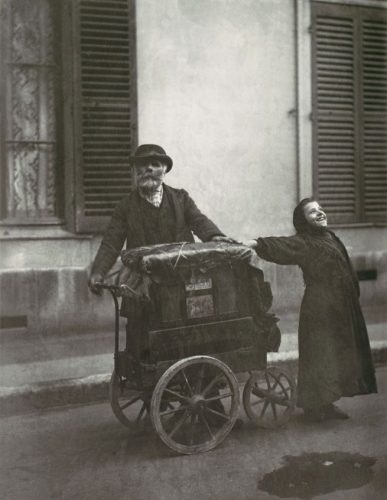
(55, 301)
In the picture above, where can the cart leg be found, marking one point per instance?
(131, 407)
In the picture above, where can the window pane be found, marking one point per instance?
(31, 72)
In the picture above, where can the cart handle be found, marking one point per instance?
(115, 292)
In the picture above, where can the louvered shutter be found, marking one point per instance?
(374, 74)
(349, 110)
(335, 154)
(105, 112)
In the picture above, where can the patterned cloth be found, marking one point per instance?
(155, 198)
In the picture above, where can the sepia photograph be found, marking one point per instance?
(193, 249)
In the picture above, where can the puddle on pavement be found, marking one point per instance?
(312, 474)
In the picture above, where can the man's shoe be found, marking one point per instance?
(333, 412)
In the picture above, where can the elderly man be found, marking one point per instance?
(154, 213)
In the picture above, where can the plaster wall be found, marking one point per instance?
(216, 88)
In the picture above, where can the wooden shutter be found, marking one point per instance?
(106, 108)
(374, 83)
(349, 111)
(334, 95)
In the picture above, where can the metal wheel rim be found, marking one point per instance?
(192, 412)
(135, 415)
(269, 397)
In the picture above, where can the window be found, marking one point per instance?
(349, 111)
(68, 110)
(30, 95)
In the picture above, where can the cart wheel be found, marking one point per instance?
(131, 407)
(195, 404)
(269, 397)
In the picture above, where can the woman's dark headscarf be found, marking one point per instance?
(299, 220)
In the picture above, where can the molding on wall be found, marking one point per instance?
(39, 233)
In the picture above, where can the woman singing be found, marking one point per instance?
(334, 350)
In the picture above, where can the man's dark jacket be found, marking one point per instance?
(127, 224)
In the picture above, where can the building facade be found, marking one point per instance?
(259, 102)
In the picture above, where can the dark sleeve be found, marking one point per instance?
(112, 241)
(197, 222)
(350, 265)
(283, 249)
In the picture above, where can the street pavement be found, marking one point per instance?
(82, 452)
(48, 370)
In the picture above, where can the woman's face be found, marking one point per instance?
(315, 215)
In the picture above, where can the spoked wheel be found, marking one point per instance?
(131, 407)
(195, 404)
(269, 397)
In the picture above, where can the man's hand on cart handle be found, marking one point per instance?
(97, 285)
(95, 282)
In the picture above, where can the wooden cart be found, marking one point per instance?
(202, 317)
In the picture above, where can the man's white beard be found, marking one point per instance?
(149, 185)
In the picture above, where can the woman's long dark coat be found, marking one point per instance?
(334, 351)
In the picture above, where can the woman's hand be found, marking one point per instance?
(250, 243)
(223, 239)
